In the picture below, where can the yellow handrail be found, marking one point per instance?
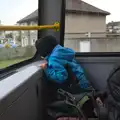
(14, 28)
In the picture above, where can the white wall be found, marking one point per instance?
(81, 23)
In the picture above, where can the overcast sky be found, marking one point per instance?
(13, 10)
(112, 6)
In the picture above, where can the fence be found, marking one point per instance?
(108, 44)
(19, 52)
(96, 45)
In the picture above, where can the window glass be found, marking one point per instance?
(17, 46)
(92, 25)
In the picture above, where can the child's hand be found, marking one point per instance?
(43, 65)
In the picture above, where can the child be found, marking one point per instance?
(57, 57)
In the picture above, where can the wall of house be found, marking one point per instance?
(83, 26)
(85, 23)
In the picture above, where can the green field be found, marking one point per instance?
(6, 63)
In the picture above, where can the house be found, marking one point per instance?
(82, 20)
(113, 28)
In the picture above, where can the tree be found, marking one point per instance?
(18, 38)
(9, 35)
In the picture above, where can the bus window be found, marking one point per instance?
(17, 46)
(93, 27)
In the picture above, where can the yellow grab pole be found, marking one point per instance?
(15, 28)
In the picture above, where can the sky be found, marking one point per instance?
(112, 6)
(13, 10)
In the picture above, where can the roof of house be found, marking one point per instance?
(75, 6)
(114, 23)
(32, 16)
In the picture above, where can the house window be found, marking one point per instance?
(84, 46)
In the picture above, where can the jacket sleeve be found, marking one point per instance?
(57, 74)
(79, 73)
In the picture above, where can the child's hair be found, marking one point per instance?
(45, 45)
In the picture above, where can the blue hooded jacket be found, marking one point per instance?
(55, 70)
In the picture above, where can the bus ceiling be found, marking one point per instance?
(49, 12)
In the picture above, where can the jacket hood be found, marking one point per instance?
(60, 52)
